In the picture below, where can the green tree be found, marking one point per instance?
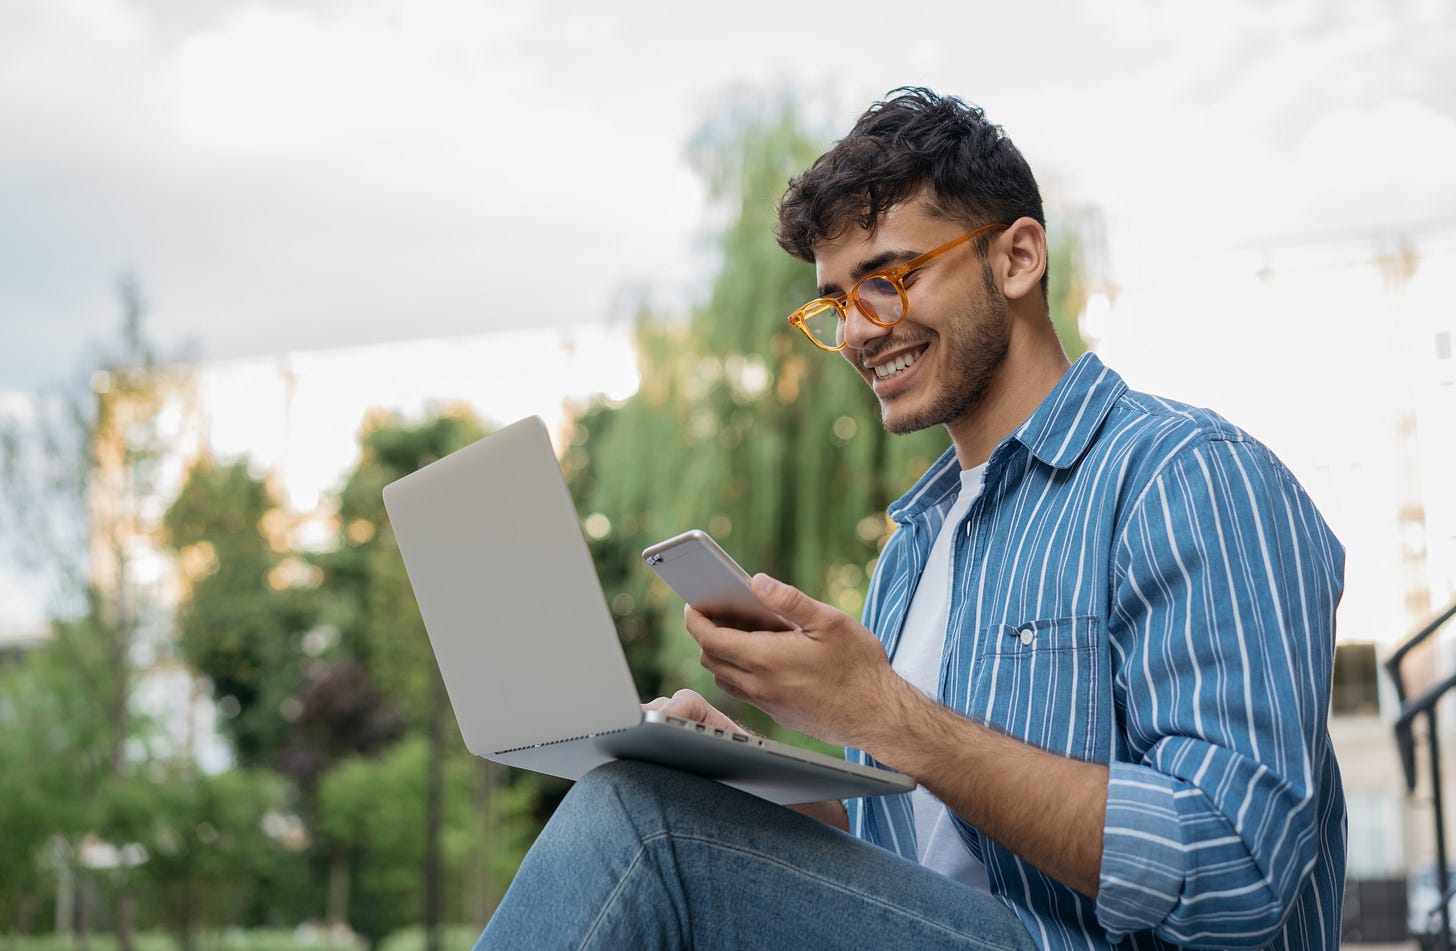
(375, 808)
(80, 491)
(199, 840)
(241, 624)
(250, 622)
(53, 745)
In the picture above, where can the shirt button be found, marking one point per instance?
(1027, 636)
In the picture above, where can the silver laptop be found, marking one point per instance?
(527, 647)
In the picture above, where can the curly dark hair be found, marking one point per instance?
(913, 140)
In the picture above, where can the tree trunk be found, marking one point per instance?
(338, 912)
(66, 874)
(434, 812)
(481, 890)
(83, 909)
(125, 906)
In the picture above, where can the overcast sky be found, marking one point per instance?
(282, 175)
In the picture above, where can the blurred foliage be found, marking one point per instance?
(239, 625)
(337, 712)
(375, 806)
(52, 757)
(1067, 289)
(82, 741)
(201, 839)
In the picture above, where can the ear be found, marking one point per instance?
(1026, 257)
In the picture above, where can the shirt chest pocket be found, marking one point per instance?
(1040, 682)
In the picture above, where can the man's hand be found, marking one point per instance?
(690, 705)
(829, 678)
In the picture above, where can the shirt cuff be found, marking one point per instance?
(1143, 852)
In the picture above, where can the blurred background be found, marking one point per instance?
(258, 258)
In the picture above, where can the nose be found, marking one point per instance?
(859, 331)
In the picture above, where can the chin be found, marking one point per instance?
(941, 411)
(902, 424)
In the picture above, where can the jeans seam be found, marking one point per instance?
(587, 938)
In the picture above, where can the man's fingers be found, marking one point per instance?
(729, 687)
(691, 705)
(787, 601)
(724, 645)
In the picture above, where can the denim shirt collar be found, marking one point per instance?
(1057, 434)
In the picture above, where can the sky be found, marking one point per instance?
(278, 176)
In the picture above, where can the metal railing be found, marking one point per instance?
(1411, 709)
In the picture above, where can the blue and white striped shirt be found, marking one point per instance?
(1144, 585)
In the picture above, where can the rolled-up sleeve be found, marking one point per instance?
(1226, 583)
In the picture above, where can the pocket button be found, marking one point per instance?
(1027, 636)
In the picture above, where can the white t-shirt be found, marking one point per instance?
(917, 659)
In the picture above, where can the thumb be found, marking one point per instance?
(787, 601)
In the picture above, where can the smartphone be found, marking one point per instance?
(705, 576)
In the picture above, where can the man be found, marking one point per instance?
(1100, 639)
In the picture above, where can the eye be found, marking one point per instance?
(877, 287)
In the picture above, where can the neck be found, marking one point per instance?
(1033, 366)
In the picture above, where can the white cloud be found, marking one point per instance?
(280, 82)
(1399, 155)
(286, 177)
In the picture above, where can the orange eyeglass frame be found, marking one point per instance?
(896, 278)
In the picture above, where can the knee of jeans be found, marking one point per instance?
(643, 788)
(637, 793)
(627, 780)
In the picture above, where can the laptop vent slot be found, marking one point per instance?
(569, 739)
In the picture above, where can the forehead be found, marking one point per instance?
(903, 231)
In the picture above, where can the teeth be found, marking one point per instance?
(896, 365)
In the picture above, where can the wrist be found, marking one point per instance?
(894, 727)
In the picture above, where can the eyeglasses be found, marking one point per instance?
(880, 297)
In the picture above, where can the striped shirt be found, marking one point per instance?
(1144, 585)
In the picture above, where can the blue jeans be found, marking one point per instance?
(640, 856)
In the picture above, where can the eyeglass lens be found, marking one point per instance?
(877, 298)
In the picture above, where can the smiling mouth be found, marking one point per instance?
(896, 366)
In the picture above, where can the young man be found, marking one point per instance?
(1101, 638)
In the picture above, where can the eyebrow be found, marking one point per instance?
(869, 266)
